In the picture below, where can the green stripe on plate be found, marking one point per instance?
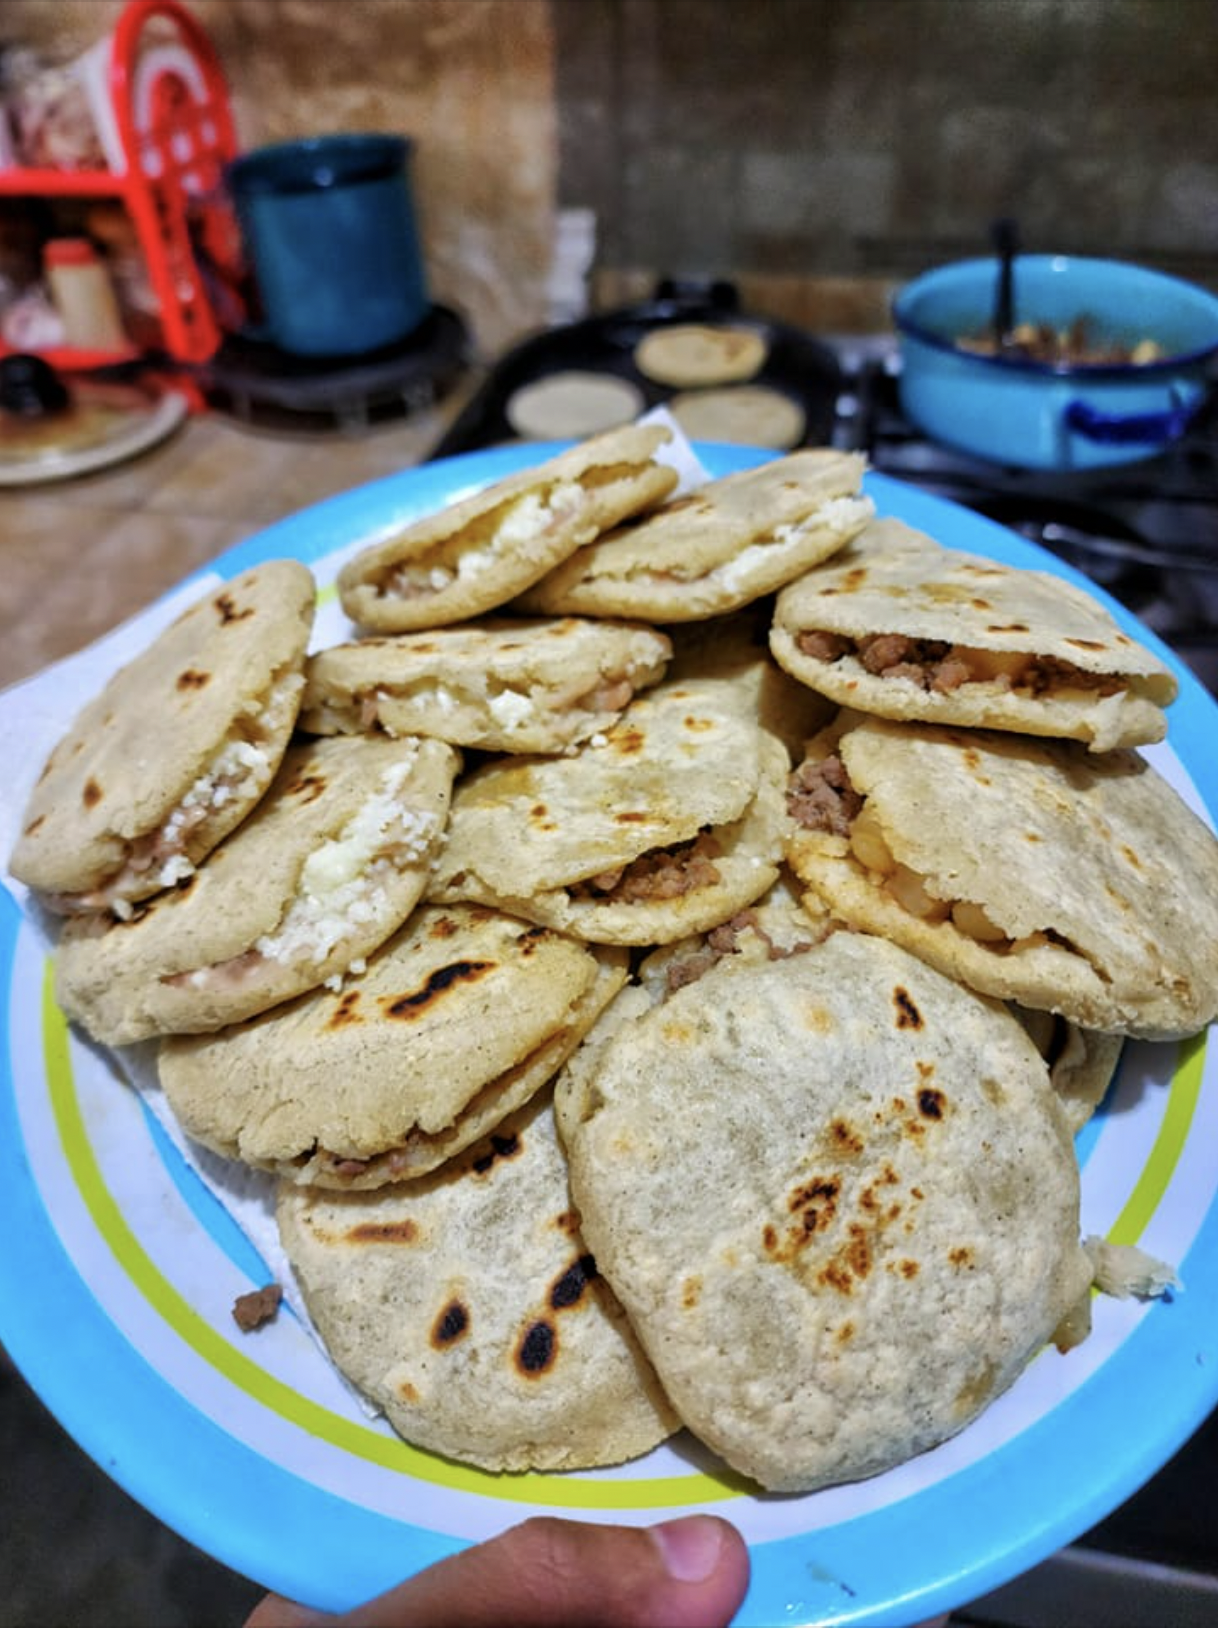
(566, 1491)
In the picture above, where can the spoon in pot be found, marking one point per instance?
(1004, 234)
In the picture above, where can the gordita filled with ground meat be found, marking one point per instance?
(665, 825)
(899, 626)
(1069, 881)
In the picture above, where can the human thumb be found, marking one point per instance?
(548, 1573)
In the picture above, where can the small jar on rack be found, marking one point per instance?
(83, 295)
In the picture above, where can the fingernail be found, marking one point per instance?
(691, 1547)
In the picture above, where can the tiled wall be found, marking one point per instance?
(817, 151)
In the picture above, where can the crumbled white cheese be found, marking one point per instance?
(435, 696)
(510, 708)
(1124, 1270)
(241, 768)
(372, 831)
(175, 870)
(530, 516)
(343, 885)
(837, 512)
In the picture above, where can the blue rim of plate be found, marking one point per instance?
(949, 1543)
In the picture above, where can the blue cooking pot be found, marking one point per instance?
(1037, 415)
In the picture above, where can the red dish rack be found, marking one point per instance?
(176, 134)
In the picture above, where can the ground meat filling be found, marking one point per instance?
(821, 798)
(723, 941)
(258, 1306)
(938, 666)
(663, 873)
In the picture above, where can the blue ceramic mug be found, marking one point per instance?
(328, 223)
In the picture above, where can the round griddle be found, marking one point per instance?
(796, 364)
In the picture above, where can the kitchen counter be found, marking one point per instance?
(78, 556)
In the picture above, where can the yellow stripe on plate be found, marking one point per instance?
(1168, 1145)
(565, 1491)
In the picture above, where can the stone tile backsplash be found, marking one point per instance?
(799, 146)
(815, 152)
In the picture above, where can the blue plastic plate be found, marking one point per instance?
(120, 1268)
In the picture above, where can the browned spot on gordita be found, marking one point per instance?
(961, 1256)
(229, 610)
(35, 825)
(308, 787)
(528, 942)
(384, 1232)
(92, 793)
(568, 1289)
(696, 725)
(408, 1392)
(631, 816)
(844, 1137)
(443, 979)
(691, 1292)
(813, 1205)
(445, 927)
(450, 1326)
(568, 1222)
(192, 679)
(815, 1202)
(497, 1147)
(537, 1350)
(850, 1264)
(932, 1104)
(908, 1016)
(346, 1011)
(628, 741)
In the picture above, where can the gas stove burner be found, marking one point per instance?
(1097, 543)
